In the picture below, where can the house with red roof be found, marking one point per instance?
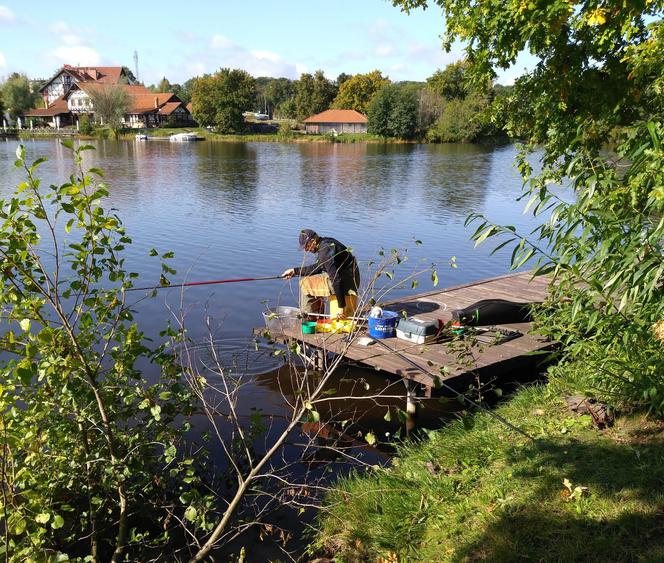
(336, 121)
(59, 84)
(67, 98)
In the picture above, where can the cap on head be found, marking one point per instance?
(305, 236)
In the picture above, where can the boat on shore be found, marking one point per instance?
(184, 137)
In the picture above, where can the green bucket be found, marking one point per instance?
(309, 327)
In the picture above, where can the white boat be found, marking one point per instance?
(183, 137)
(141, 137)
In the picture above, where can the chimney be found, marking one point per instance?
(156, 103)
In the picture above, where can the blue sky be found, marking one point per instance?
(180, 40)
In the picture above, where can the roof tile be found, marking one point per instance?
(337, 116)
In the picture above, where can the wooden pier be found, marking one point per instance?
(421, 364)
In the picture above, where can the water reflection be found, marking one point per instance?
(227, 178)
(455, 181)
(234, 209)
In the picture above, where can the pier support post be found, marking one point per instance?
(411, 404)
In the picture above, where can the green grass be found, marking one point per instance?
(478, 491)
(280, 137)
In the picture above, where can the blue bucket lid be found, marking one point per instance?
(389, 314)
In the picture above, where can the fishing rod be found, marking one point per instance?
(322, 316)
(210, 282)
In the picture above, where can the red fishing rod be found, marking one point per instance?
(210, 282)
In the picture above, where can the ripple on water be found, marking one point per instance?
(236, 356)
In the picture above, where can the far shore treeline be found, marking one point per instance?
(446, 107)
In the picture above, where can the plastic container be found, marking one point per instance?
(309, 327)
(349, 309)
(417, 330)
(282, 318)
(324, 325)
(343, 325)
(385, 326)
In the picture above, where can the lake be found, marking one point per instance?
(234, 210)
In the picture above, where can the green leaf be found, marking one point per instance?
(490, 231)
(169, 453)
(191, 513)
(434, 278)
(25, 325)
(18, 526)
(58, 522)
(42, 518)
(370, 438)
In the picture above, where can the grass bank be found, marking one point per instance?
(478, 491)
(280, 137)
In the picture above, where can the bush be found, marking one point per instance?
(461, 121)
(92, 465)
(393, 113)
(229, 120)
(86, 127)
(605, 251)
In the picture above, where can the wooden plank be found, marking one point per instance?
(487, 359)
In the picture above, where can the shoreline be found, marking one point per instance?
(206, 135)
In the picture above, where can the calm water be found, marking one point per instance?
(234, 210)
(231, 210)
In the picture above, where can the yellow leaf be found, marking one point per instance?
(597, 17)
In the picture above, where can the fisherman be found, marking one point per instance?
(334, 275)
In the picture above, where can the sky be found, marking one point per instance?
(180, 40)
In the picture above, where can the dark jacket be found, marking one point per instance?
(338, 262)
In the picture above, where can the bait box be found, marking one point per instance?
(418, 331)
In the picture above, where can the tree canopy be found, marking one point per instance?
(597, 62)
(358, 91)
(110, 105)
(272, 93)
(451, 82)
(220, 99)
(393, 112)
(164, 85)
(313, 94)
(17, 95)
